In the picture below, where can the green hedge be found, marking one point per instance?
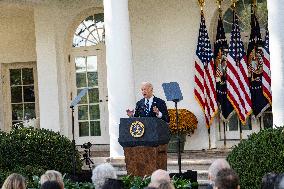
(262, 153)
(30, 151)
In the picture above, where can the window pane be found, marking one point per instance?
(92, 79)
(16, 94)
(28, 78)
(94, 112)
(15, 76)
(29, 95)
(17, 111)
(80, 63)
(92, 64)
(81, 80)
(94, 95)
(29, 111)
(95, 128)
(233, 123)
(267, 120)
(248, 124)
(83, 128)
(84, 98)
(83, 112)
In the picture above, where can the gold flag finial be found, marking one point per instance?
(219, 5)
(201, 4)
(254, 2)
(234, 3)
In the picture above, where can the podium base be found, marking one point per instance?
(143, 160)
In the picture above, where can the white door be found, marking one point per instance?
(91, 113)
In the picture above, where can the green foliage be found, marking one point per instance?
(30, 151)
(262, 153)
(134, 182)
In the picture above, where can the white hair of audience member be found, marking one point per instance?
(52, 175)
(101, 173)
(159, 176)
(215, 167)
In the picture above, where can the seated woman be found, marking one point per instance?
(14, 181)
(101, 173)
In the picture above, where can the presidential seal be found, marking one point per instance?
(137, 129)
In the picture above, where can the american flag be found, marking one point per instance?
(266, 75)
(220, 55)
(204, 90)
(255, 62)
(237, 74)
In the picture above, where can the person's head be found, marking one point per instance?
(279, 181)
(147, 90)
(227, 179)
(101, 173)
(14, 181)
(215, 167)
(166, 185)
(50, 185)
(112, 184)
(159, 176)
(268, 181)
(52, 175)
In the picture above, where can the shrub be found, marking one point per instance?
(262, 153)
(30, 151)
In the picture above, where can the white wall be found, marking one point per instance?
(164, 38)
(17, 34)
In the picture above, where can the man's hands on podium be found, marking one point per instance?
(130, 113)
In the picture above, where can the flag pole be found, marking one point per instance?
(225, 138)
(201, 4)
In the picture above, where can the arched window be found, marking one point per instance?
(90, 32)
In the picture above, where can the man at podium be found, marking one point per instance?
(149, 106)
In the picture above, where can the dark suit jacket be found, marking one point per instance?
(159, 103)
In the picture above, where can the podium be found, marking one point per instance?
(144, 141)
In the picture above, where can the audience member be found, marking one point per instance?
(227, 179)
(52, 175)
(50, 185)
(159, 176)
(113, 184)
(14, 181)
(214, 168)
(166, 185)
(279, 181)
(268, 181)
(101, 173)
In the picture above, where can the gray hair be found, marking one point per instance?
(279, 182)
(146, 83)
(52, 175)
(101, 173)
(215, 167)
(159, 176)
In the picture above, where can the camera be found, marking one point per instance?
(86, 145)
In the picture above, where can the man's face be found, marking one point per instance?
(147, 91)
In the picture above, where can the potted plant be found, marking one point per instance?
(187, 123)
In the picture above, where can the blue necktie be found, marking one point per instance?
(147, 107)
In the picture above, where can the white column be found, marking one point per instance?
(45, 32)
(276, 45)
(120, 77)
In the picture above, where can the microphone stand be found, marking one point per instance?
(179, 153)
(73, 144)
